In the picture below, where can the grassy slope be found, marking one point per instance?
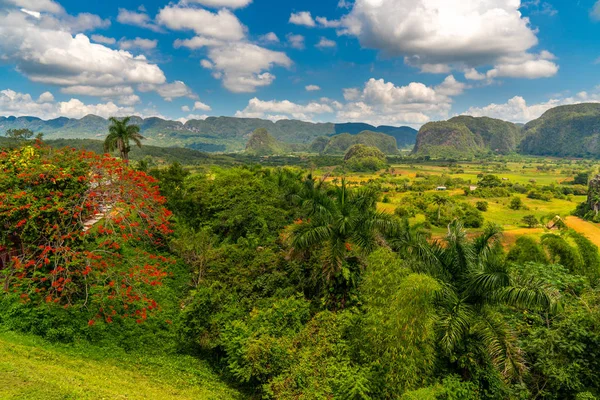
(31, 368)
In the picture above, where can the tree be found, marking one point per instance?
(440, 201)
(19, 134)
(338, 223)
(531, 221)
(516, 204)
(475, 282)
(119, 135)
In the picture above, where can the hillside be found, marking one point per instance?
(565, 131)
(339, 144)
(32, 368)
(261, 143)
(214, 134)
(466, 136)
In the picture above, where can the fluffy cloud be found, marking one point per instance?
(103, 39)
(283, 110)
(459, 33)
(525, 66)
(312, 88)
(222, 25)
(380, 102)
(517, 109)
(201, 106)
(242, 65)
(98, 91)
(137, 18)
(191, 117)
(47, 53)
(197, 42)
(295, 41)
(22, 104)
(270, 37)
(325, 43)
(38, 5)
(377, 102)
(169, 91)
(223, 3)
(302, 18)
(138, 43)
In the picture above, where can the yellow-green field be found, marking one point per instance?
(33, 369)
(533, 171)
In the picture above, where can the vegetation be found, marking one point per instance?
(120, 133)
(340, 144)
(263, 144)
(307, 277)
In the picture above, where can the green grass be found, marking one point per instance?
(31, 368)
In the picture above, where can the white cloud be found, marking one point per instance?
(46, 97)
(303, 18)
(222, 25)
(48, 53)
(34, 14)
(201, 106)
(135, 18)
(295, 41)
(222, 3)
(326, 23)
(82, 22)
(529, 66)
(190, 117)
(138, 43)
(97, 91)
(242, 66)
(38, 5)
(432, 68)
(325, 43)
(595, 13)
(474, 75)
(270, 37)
(282, 110)
(383, 103)
(129, 100)
(21, 104)
(185, 108)
(517, 109)
(312, 88)
(197, 42)
(169, 91)
(461, 34)
(103, 39)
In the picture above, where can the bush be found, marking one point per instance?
(482, 205)
(531, 221)
(516, 204)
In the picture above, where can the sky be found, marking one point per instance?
(384, 62)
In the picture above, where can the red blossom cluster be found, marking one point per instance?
(78, 228)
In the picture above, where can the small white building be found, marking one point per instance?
(441, 188)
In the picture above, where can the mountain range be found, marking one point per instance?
(214, 134)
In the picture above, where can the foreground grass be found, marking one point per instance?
(31, 368)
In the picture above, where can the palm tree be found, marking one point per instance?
(119, 135)
(476, 282)
(440, 201)
(338, 222)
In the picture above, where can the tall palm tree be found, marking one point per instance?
(476, 282)
(338, 222)
(440, 201)
(119, 135)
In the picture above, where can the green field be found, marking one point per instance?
(31, 368)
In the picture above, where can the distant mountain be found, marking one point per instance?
(339, 144)
(565, 131)
(404, 135)
(212, 134)
(467, 136)
(261, 143)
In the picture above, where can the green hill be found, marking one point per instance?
(214, 134)
(261, 143)
(465, 136)
(339, 144)
(32, 368)
(565, 131)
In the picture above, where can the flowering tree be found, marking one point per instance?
(80, 229)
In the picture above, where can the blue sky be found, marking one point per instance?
(394, 62)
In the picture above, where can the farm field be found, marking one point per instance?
(400, 180)
(31, 368)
